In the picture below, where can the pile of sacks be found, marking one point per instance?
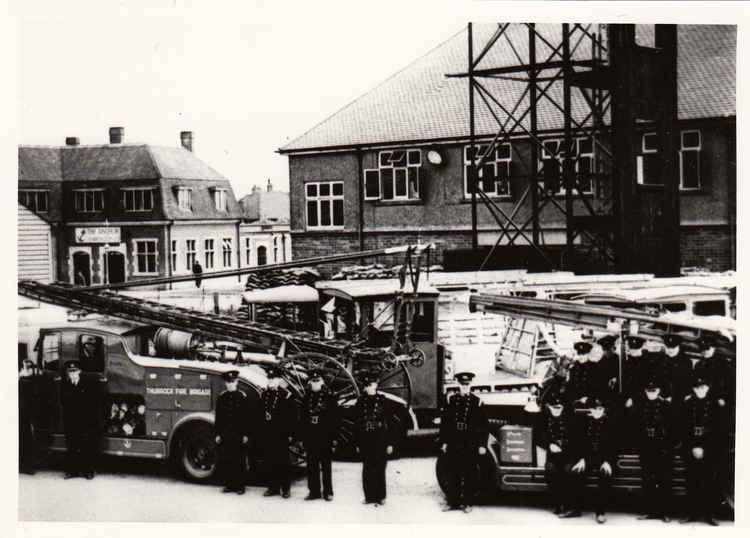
(377, 270)
(282, 277)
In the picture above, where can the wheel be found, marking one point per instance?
(197, 453)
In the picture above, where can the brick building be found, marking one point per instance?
(122, 212)
(391, 166)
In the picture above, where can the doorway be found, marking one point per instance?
(114, 266)
(82, 268)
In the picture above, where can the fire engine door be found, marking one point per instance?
(49, 348)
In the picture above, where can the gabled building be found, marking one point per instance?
(124, 212)
(392, 166)
(264, 232)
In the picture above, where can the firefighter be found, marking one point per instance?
(593, 453)
(579, 386)
(711, 367)
(654, 368)
(680, 369)
(463, 436)
(27, 396)
(555, 438)
(276, 426)
(608, 368)
(232, 429)
(631, 368)
(700, 413)
(374, 417)
(319, 423)
(653, 419)
(556, 377)
(81, 409)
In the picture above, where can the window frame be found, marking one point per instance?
(507, 161)
(208, 251)
(143, 190)
(189, 262)
(248, 252)
(545, 155)
(331, 197)
(37, 193)
(185, 198)
(83, 192)
(265, 254)
(226, 251)
(411, 195)
(137, 255)
(219, 195)
(698, 151)
(174, 258)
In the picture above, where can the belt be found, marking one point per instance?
(461, 426)
(699, 431)
(650, 433)
(314, 419)
(373, 426)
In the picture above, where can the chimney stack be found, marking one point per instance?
(269, 187)
(254, 189)
(71, 141)
(116, 135)
(186, 139)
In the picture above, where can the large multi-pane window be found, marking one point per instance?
(397, 176)
(583, 155)
(88, 200)
(189, 253)
(35, 200)
(325, 204)
(493, 177)
(137, 199)
(226, 250)
(208, 249)
(173, 252)
(145, 256)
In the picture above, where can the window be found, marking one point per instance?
(51, 351)
(137, 199)
(145, 256)
(248, 251)
(710, 308)
(173, 252)
(91, 353)
(261, 255)
(220, 199)
(189, 254)
(325, 205)
(690, 152)
(275, 250)
(226, 247)
(397, 176)
(34, 200)
(583, 155)
(647, 163)
(208, 249)
(185, 198)
(494, 175)
(89, 200)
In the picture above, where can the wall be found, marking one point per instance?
(35, 252)
(201, 232)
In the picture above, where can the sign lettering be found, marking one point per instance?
(100, 234)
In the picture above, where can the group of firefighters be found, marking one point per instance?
(660, 401)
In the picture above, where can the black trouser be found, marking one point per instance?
(701, 481)
(276, 456)
(81, 451)
(556, 470)
(25, 444)
(656, 473)
(374, 460)
(319, 462)
(463, 461)
(578, 483)
(232, 461)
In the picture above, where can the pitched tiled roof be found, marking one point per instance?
(39, 164)
(421, 103)
(266, 206)
(201, 201)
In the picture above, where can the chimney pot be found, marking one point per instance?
(186, 139)
(116, 135)
(269, 187)
(71, 141)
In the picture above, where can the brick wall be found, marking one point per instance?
(707, 246)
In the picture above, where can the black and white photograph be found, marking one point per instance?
(374, 263)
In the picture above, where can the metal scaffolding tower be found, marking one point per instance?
(587, 90)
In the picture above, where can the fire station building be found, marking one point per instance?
(391, 167)
(122, 212)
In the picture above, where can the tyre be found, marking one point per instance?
(197, 453)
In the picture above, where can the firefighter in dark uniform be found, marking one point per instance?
(711, 367)
(463, 436)
(579, 385)
(631, 368)
(555, 438)
(374, 416)
(680, 369)
(232, 430)
(593, 453)
(82, 420)
(277, 420)
(607, 371)
(653, 418)
(556, 377)
(654, 368)
(319, 423)
(27, 396)
(701, 412)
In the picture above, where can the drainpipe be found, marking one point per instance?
(168, 248)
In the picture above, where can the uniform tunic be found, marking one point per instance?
(595, 443)
(232, 423)
(654, 368)
(655, 452)
(580, 381)
(556, 430)
(276, 425)
(602, 373)
(463, 428)
(319, 424)
(82, 422)
(373, 423)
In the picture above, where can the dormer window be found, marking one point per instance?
(185, 198)
(220, 199)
